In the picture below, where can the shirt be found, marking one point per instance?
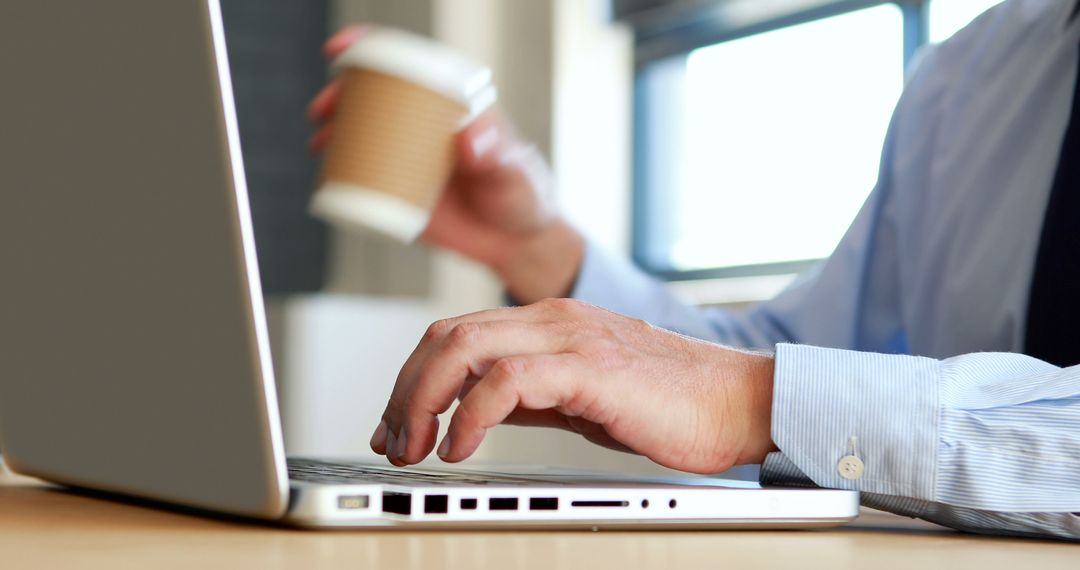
(905, 338)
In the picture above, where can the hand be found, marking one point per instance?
(497, 207)
(619, 382)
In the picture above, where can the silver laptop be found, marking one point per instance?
(133, 348)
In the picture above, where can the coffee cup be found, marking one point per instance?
(403, 101)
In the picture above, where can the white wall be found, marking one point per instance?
(592, 120)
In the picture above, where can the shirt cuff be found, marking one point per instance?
(829, 404)
(779, 471)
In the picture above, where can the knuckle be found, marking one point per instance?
(554, 304)
(641, 325)
(463, 335)
(547, 304)
(571, 306)
(438, 329)
(508, 370)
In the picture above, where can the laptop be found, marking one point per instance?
(134, 358)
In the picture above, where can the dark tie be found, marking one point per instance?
(1053, 322)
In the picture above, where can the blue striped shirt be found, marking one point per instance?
(938, 264)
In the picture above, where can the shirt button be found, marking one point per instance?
(851, 468)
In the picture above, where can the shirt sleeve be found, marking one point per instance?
(983, 442)
(849, 301)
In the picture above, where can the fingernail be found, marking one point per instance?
(391, 439)
(485, 142)
(379, 438)
(401, 444)
(444, 447)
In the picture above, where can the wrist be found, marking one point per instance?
(758, 387)
(542, 265)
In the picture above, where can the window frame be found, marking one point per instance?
(655, 43)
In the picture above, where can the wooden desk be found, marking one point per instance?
(43, 527)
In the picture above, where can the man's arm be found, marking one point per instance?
(985, 443)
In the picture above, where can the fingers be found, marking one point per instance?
(339, 42)
(386, 439)
(532, 382)
(481, 143)
(544, 311)
(468, 351)
(433, 338)
(489, 142)
(319, 111)
(320, 139)
(436, 334)
(325, 103)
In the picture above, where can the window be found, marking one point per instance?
(757, 146)
(765, 129)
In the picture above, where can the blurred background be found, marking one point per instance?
(695, 136)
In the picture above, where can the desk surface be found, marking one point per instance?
(44, 527)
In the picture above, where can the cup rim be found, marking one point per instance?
(424, 62)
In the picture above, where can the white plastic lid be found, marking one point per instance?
(424, 62)
(355, 207)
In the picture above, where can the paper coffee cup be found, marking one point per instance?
(403, 101)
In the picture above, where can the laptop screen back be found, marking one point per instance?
(133, 353)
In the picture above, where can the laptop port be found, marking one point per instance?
(468, 504)
(436, 504)
(503, 504)
(397, 503)
(352, 502)
(600, 504)
(543, 504)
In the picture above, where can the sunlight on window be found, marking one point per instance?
(949, 16)
(782, 136)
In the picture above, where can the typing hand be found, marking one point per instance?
(617, 381)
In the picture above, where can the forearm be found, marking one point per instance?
(612, 282)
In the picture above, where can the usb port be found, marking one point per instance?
(397, 503)
(503, 504)
(543, 504)
(436, 504)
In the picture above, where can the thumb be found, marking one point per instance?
(480, 145)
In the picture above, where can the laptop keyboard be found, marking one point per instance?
(316, 471)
